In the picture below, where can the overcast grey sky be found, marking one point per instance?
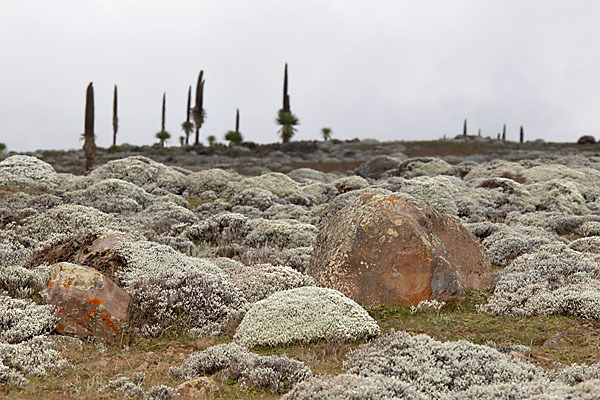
(385, 69)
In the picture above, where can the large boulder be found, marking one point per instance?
(89, 304)
(383, 249)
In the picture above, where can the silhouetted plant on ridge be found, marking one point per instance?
(187, 125)
(89, 144)
(235, 137)
(198, 111)
(211, 140)
(285, 118)
(115, 118)
(521, 135)
(163, 135)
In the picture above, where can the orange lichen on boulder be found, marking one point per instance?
(95, 301)
(90, 304)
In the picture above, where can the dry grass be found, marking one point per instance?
(579, 343)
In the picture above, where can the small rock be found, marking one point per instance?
(162, 366)
(106, 242)
(142, 367)
(66, 342)
(556, 340)
(101, 363)
(199, 388)
(518, 356)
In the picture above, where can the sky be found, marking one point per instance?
(383, 69)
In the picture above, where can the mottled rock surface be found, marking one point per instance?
(198, 388)
(388, 250)
(89, 304)
(377, 167)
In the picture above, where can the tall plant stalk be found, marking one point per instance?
(285, 118)
(89, 144)
(164, 108)
(521, 135)
(187, 126)
(234, 137)
(115, 118)
(198, 111)
(286, 97)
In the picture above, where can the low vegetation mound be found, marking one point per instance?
(171, 288)
(62, 221)
(260, 281)
(250, 370)
(215, 180)
(27, 172)
(353, 387)
(552, 280)
(151, 176)
(276, 183)
(437, 369)
(304, 315)
(113, 196)
(24, 348)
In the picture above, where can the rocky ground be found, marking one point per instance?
(239, 272)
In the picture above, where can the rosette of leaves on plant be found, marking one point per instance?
(163, 136)
(235, 137)
(288, 122)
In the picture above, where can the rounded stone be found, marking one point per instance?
(383, 249)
